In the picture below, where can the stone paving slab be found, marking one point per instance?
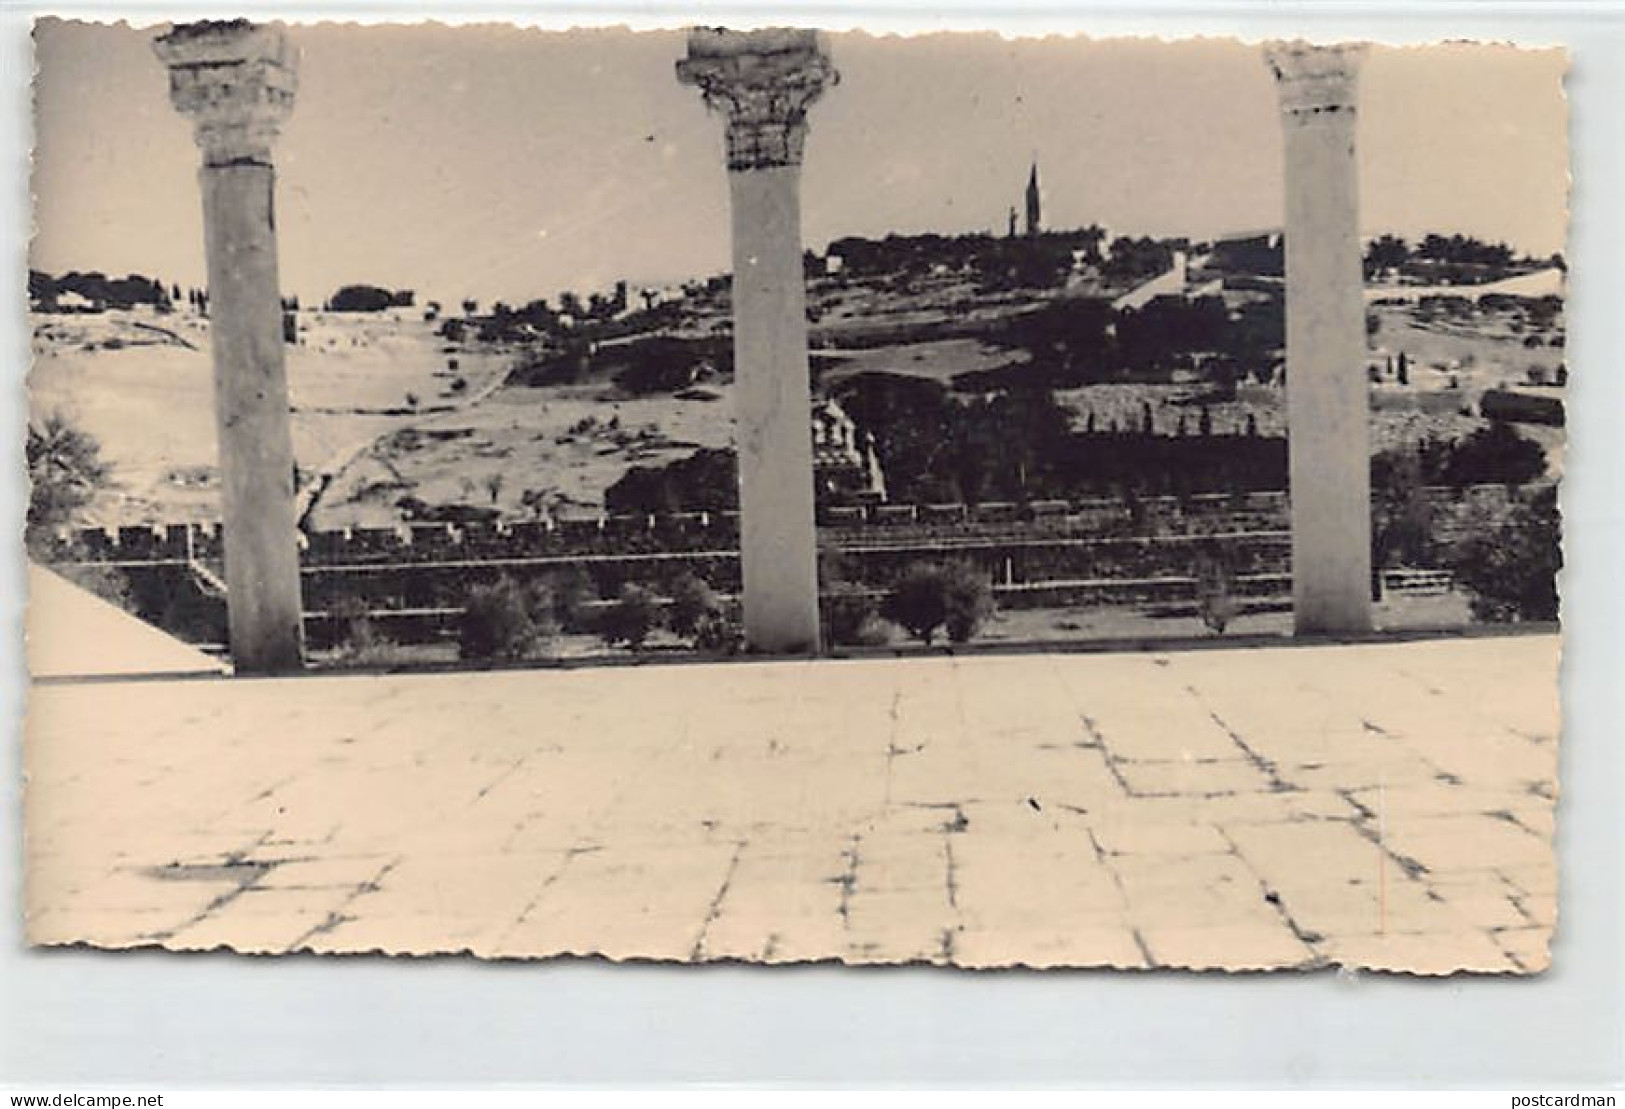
(1384, 805)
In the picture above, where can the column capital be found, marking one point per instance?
(236, 80)
(1315, 80)
(765, 81)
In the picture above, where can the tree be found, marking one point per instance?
(361, 298)
(1386, 252)
(1401, 515)
(634, 614)
(65, 472)
(1510, 567)
(1495, 454)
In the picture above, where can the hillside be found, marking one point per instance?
(518, 412)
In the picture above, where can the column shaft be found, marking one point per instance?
(1328, 418)
(779, 540)
(251, 419)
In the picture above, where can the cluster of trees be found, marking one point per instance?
(1508, 565)
(1135, 259)
(1258, 255)
(643, 366)
(1019, 445)
(917, 254)
(705, 481)
(1002, 263)
(1495, 454)
(571, 319)
(368, 298)
(102, 290)
(1080, 342)
(1452, 257)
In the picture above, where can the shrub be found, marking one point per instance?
(928, 597)
(357, 638)
(1510, 568)
(542, 606)
(568, 592)
(970, 602)
(851, 616)
(351, 625)
(497, 622)
(1215, 588)
(631, 618)
(693, 605)
(719, 633)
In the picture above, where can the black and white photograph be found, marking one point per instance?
(773, 495)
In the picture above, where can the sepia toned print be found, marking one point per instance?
(781, 496)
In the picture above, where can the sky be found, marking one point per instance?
(495, 163)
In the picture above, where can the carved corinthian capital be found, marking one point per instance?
(236, 80)
(765, 81)
(1315, 80)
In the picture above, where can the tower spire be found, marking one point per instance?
(1035, 217)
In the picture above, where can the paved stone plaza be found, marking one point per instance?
(1384, 806)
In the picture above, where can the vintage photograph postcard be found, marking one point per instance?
(782, 496)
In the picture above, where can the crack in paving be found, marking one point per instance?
(891, 741)
(1265, 766)
(337, 916)
(697, 952)
(1097, 739)
(847, 880)
(1117, 880)
(235, 866)
(507, 773)
(570, 856)
(1412, 868)
(1311, 940)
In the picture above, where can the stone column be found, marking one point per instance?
(765, 81)
(1327, 407)
(236, 81)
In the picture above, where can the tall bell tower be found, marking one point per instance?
(1035, 201)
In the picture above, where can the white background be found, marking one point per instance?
(74, 1019)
